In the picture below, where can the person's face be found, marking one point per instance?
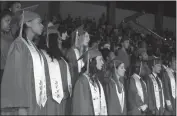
(144, 56)
(5, 23)
(64, 35)
(157, 68)
(126, 44)
(111, 56)
(15, 7)
(86, 39)
(36, 26)
(99, 62)
(121, 70)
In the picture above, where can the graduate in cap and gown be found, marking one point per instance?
(88, 93)
(137, 91)
(156, 101)
(6, 37)
(59, 81)
(81, 43)
(115, 90)
(141, 54)
(169, 81)
(23, 88)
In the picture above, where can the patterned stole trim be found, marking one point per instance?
(39, 74)
(55, 78)
(103, 106)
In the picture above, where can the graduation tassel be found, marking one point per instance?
(76, 40)
(21, 25)
(88, 63)
(47, 37)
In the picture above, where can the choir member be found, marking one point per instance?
(59, 78)
(23, 88)
(88, 94)
(169, 81)
(6, 37)
(73, 54)
(115, 90)
(156, 101)
(137, 92)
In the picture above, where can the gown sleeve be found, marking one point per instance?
(15, 81)
(79, 105)
(134, 100)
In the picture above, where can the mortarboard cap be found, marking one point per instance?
(115, 63)
(140, 51)
(16, 18)
(90, 50)
(153, 60)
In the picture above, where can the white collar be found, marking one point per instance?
(137, 75)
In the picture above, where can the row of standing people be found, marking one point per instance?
(42, 81)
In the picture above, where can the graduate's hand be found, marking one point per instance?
(22, 111)
(169, 106)
(143, 107)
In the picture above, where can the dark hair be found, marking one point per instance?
(9, 4)
(53, 50)
(105, 53)
(92, 67)
(5, 13)
(62, 29)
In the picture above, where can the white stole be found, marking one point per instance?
(80, 62)
(100, 101)
(139, 86)
(121, 96)
(156, 91)
(68, 78)
(55, 78)
(172, 81)
(39, 74)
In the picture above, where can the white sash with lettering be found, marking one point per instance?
(39, 74)
(172, 81)
(120, 96)
(80, 62)
(156, 91)
(55, 78)
(68, 78)
(97, 101)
